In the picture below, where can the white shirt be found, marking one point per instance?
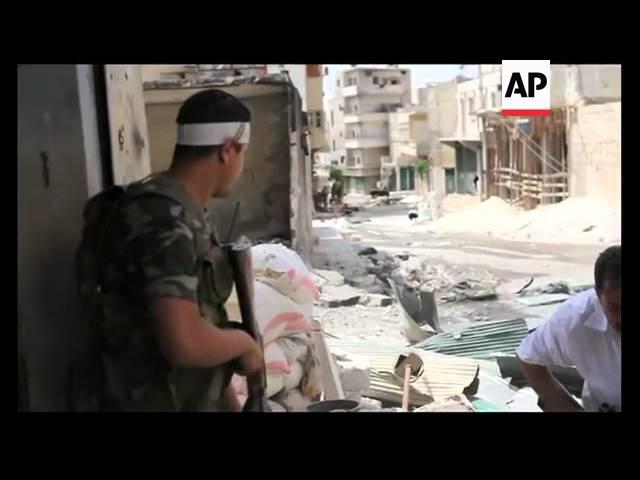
(579, 335)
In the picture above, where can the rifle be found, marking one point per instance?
(241, 265)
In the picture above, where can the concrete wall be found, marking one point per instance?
(593, 83)
(59, 167)
(298, 75)
(272, 204)
(440, 102)
(594, 148)
(335, 125)
(315, 104)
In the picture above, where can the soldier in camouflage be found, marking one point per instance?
(164, 278)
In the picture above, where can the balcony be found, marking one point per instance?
(388, 89)
(366, 117)
(371, 142)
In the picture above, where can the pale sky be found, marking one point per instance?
(420, 75)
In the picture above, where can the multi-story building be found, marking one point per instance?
(308, 80)
(409, 141)
(439, 100)
(364, 99)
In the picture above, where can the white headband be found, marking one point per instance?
(206, 134)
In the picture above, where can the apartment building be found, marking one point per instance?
(364, 99)
(308, 80)
(439, 100)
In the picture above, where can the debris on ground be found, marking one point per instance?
(354, 374)
(342, 296)
(333, 278)
(454, 403)
(376, 300)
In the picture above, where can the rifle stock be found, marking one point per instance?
(241, 265)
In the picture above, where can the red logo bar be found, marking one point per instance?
(526, 113)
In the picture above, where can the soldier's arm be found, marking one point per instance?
(189, 340)
(161, 251)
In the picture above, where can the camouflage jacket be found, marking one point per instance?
(158, 242)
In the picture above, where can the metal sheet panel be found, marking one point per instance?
(479, 340)
(443, 375)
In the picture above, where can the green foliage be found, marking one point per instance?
(336, 174)
(422, 166)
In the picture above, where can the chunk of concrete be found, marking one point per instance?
(363, 282)
(364, 250)
(343, 296)
(354, 374)
(333, 278)
(376, 300)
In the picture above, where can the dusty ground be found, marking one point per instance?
(508, 264)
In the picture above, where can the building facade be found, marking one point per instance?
(364, 99)
(439, 100)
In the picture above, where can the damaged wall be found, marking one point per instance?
(594, 142)
(273, 204)
(59, 167)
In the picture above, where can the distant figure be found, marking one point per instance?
(337, 192)
(413, 215)
(475, 182)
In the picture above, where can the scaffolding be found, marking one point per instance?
(526, 158)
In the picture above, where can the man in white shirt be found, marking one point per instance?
(585, 332)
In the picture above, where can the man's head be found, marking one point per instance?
(608, 285)
(213, 133)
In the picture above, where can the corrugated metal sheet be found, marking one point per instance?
(443, 375)
(482, 340)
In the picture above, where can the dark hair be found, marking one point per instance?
(607, 268)
(204, 107)
(213, 106)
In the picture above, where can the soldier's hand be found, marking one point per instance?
(252, 362)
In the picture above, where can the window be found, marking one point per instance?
(376, 80)
(342, 159)
(334, 145)
(338, 82)
(358, 161)
(340, 136)
(355, 108)
(394, 82)
(332, 121)
(367, 73)
(494, 99)
(470, 104)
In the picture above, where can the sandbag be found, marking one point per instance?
(275, 384)
(274, 359)
(294, 347)
(277, 315)
(284, 270)
(294, 377)
(294, 401)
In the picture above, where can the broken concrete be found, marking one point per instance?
(333, 278)
(376, 300)
(354, 375)
(364, 250)
(343, 296)
(363, 282)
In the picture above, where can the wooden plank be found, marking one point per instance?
(331, 386)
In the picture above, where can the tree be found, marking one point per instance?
(336, 174)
